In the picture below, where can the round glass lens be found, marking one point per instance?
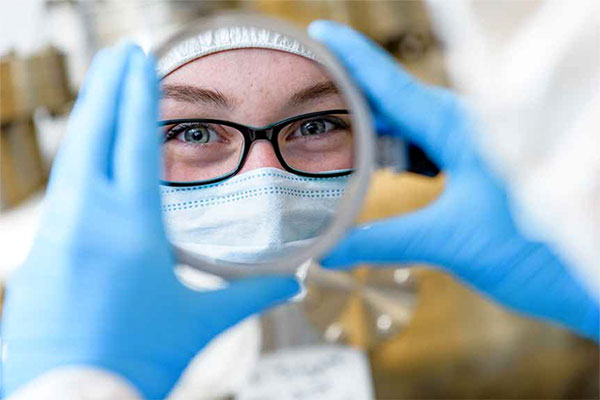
(318, 144)
(200, 151)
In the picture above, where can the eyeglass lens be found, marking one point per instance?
(202, 151)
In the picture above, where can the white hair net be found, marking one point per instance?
(228, 38)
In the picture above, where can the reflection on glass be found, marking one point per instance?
(257, 145)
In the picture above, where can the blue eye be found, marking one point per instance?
(199, 134)
(316, 127)
(194, 133)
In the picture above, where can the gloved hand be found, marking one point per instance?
(469, 229)
(98, 287)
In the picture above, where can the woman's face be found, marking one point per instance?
(254, 87)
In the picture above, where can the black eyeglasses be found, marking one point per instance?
(203, 151)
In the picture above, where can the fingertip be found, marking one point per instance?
(142, 69)
(333, 32)
(127, 45)
(100, 55)
(138, 59)
(334, 261)
(281, 286)
(321, 28)
(142, 63)
(289, 286)
(98, 62)
(131, 52)
(340, 256)
(151, 61)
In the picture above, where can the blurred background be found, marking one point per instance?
(426, 335)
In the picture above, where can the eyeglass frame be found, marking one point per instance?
(252, 134)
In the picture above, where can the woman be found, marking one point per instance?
(239, 193)
(115, 306)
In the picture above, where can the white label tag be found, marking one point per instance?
(314, 372)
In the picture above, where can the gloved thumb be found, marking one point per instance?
(244, 297)
(407, 238)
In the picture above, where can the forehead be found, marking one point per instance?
(255, 86)
(249, 69)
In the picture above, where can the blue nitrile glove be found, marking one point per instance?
(469, 229)
(98, 288)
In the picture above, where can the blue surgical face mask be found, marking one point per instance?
(257, 216)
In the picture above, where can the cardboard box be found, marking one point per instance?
(49, 73)
(17, 89)
(21, 168)
(36, 81)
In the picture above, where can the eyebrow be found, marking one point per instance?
(194, 94)
(313, 92)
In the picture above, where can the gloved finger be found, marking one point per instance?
(409, 238)
(90, 134)
(245, 297)
(421, 114)
(136, 145)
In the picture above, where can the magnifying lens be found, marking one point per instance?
(267, 146)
